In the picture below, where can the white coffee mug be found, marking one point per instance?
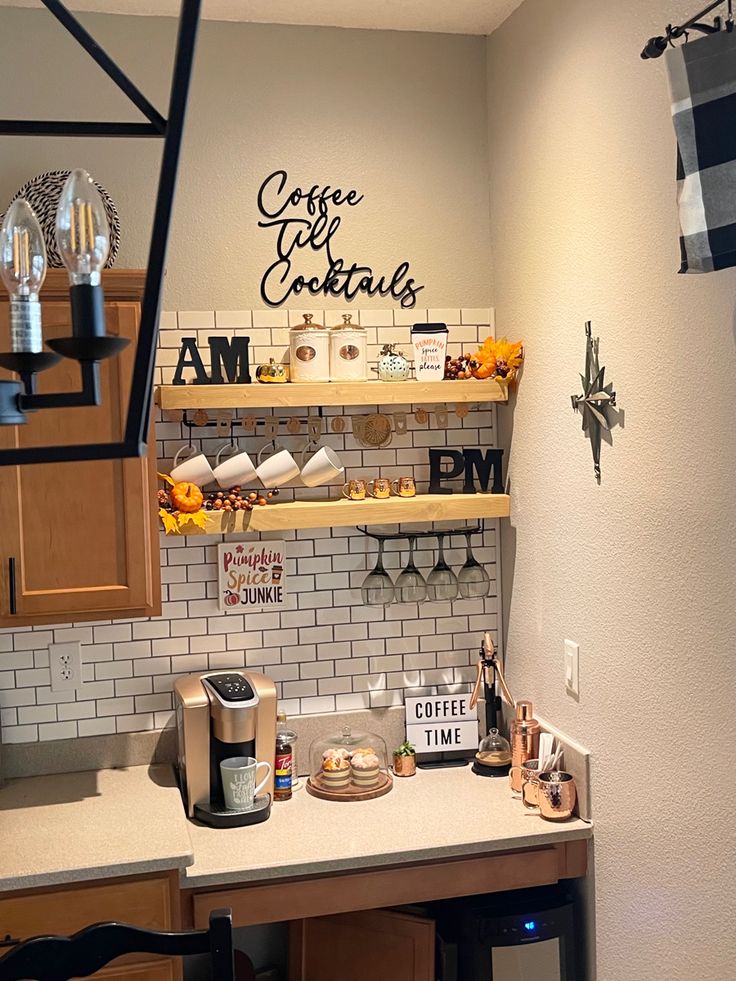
(277, 470)
(196, 468)
(323, 467)
(239, 774)
(236, 469)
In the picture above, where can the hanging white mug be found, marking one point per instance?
(236, 469)
(277, 470)
(321, 468)
(196, 468)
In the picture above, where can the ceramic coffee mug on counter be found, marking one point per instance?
(239, 774)
(195, 468)
(557, 795)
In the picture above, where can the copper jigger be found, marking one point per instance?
(557, 795)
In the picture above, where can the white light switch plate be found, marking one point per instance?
(572, 667)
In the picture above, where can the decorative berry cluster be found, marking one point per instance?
(458, 368)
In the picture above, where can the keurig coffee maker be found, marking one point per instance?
(221, 714)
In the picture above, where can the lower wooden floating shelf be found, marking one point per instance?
(342, 513)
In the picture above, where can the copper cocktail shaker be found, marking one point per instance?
(524, 734)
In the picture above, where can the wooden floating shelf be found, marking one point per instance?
(269, 395)
(347, 514)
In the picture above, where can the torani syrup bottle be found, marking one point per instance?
(284, 761)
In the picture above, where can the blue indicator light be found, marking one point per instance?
(530, 926)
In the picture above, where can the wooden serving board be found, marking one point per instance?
(351, 792)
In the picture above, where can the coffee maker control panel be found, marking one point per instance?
(231, 687)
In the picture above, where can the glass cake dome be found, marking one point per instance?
(348, 763)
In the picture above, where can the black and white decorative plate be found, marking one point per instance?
(43, 193)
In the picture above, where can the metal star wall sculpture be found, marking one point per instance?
(597, 400)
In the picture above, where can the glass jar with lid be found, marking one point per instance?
(309, 347)
(348, 351)
(347, 764)
(493, 758)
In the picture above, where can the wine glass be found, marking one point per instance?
(411, 586)
(441, 582)
(473, 580)
(378, 588)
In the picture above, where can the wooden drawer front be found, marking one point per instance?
(145, 903)
(317, 896)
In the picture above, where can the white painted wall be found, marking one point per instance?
(641, 570)
(399, 116)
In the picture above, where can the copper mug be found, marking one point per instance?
(530, 784)
(380, 488)
(404, 487)
(556, 794)
(355, 490)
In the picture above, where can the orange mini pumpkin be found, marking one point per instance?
(186, 497)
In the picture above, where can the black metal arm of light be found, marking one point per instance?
(16, 398)
(656, 46)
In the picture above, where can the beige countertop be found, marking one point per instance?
(70, 827)
(435, 814)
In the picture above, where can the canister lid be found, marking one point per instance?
(308, 325)
(347, 323)
(524, 711)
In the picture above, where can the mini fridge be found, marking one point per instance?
(527, 935)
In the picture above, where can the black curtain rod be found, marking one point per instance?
(656, 46)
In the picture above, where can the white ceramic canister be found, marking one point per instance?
(309, 346)
(430, 345)
(348, 351)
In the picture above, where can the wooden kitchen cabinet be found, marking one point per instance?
(362, 946)
(83, 536)
(149, 902)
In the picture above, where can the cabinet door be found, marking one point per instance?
(362, 946)
(82, 535)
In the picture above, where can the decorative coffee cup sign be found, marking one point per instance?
(251, 575)
(430, 346)
(441, 723)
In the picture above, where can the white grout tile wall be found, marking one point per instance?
(325, 649)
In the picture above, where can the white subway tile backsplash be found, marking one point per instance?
(324, 649)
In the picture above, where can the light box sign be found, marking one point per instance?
(251, 574)
(441, 723)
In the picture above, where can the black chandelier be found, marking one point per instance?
(83, 238)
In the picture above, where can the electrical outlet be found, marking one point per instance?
(572, 667)
(65, 661)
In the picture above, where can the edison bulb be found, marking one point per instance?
(82, 229)
(23, 270)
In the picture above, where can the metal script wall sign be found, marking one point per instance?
(307, 220)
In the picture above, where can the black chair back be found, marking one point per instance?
(84, 953)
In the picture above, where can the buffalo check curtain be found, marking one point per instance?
(702, 77)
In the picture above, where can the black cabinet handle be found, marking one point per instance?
(11, 585)
(9, 941)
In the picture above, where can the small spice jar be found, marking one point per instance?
(309, 346)
(348, 351)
